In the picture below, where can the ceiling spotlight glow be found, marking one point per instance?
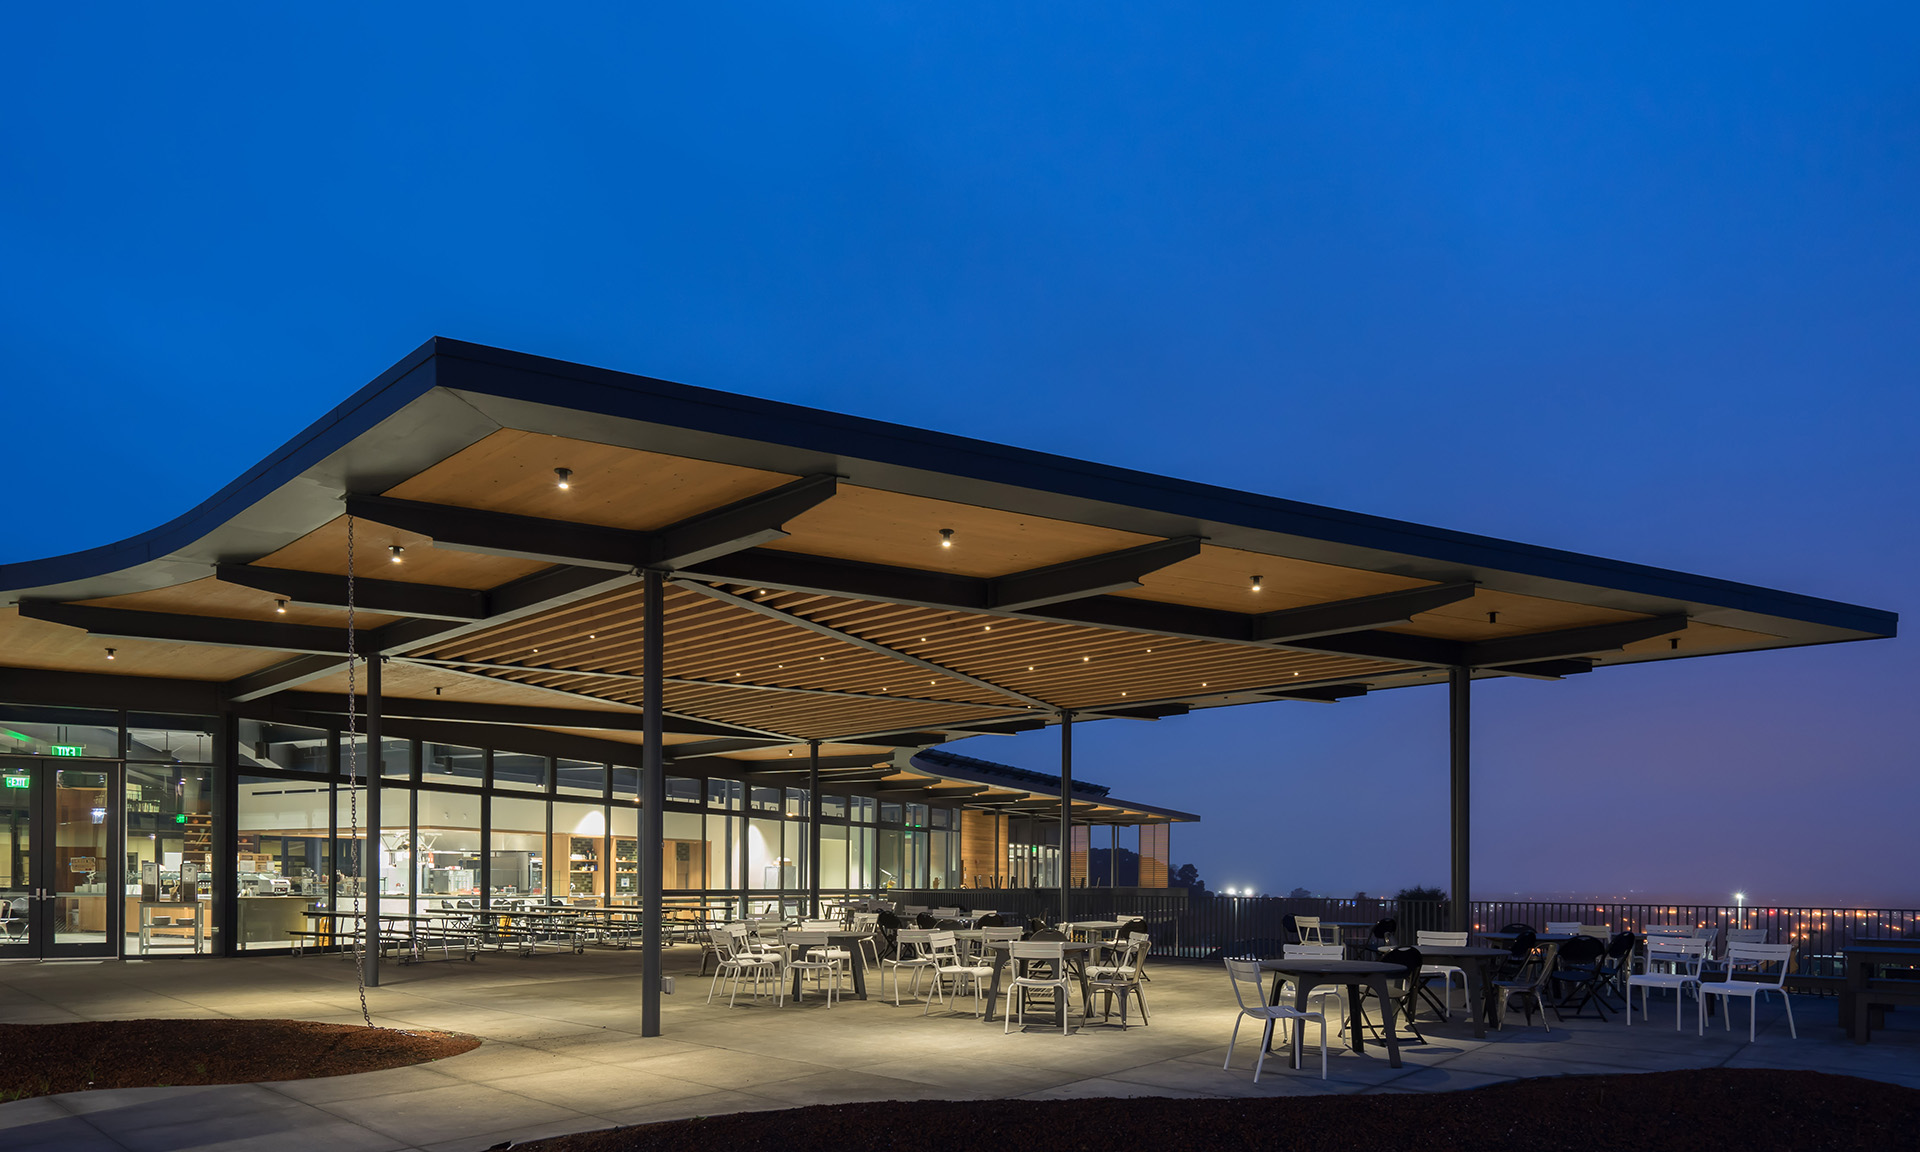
(394, 553)
(280, 606)
(946, 537)
(564, 478)
(1256, 583)
(110, 654)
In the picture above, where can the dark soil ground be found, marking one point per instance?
(1705, 1110)
(41, 1059)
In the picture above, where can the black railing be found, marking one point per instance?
(1194, 926)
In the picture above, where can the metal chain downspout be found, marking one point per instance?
(369, 924)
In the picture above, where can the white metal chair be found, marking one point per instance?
(1245, 975)
(1446, 972)
(1764, 967)
(1325, 992)
(868, 924)
(1682, 958)
(807, 953)
(1311, 932)
(1122, 978)
(1746, 936)
(991, 936)
(1052, 952)
(1564, 927)
(1530, 988)
(737, 961)
(944, 950)
(916, 939)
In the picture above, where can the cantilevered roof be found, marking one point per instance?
(811, 596)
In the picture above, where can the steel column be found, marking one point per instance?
(813, 827)
(1459, 716)
(1066, 814)
(370, 862)
(653, 784)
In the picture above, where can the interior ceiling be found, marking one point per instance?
(757, 668)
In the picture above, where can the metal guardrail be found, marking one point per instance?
(1189, 925)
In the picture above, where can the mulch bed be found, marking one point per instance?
(1703, 1110)
(41, 1059)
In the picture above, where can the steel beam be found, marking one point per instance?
(1570, 641)
(1088, 576)
(1545, 669)
(1357, 614)
(325, 590)
(743, 524)
(179, 628)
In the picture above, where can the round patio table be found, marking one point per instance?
(1310, 974)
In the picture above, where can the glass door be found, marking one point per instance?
(19, 877)
(57, 865)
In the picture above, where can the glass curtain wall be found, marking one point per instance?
(284, 865)
(517, 852)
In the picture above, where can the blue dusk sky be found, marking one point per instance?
(1635, 280)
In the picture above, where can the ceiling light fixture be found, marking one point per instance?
(946, 537)
(1256, 583)
(394, 553)
(110, 655)
(565, 478)
(280, 606)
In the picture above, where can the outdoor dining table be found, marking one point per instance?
(1076, 957)
(413, 921)
(1538, 937)
(1310, 974)
(847, 940)
(1482, 962)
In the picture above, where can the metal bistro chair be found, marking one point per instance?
(1323, 992)
(1245, 975)
(737, 962)
(807, 952)
(1446, 972)
(1683, 957)
(1530, 989)
(1752, 970)
(1052, 952)
(911, 951)
(1122, 978)
(943, 949)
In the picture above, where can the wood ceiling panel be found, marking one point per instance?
(211, 597)
(1517, 615)
(877, 527)
(512, 471)
(325, 550)
(39, 644)
(1701, 637)
(1222, 578)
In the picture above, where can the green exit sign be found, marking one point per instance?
(68, 750)
(19, 782)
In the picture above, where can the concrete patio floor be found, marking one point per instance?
(563, 1053)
